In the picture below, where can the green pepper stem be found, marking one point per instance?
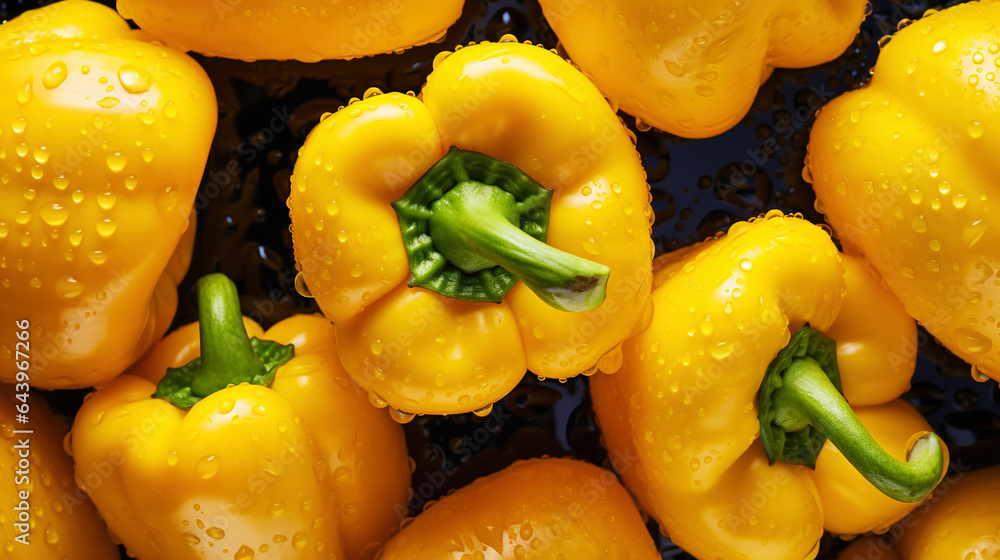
(227, 356)
(807, 397)
(472, 227)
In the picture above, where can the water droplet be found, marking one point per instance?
(300, 286)
(745, 264)
(108, 102)
(484, 411)
(356, 270)
(170, 110)
(975, 129)
(207, 466)
(939, 46)
(191, 538)
(107, 228)
(244, 553)
(972, 342)
(107, 200)
(277, 509)
(55, 214)
(172, 458)
(376, 400)
(69, 287)
(226, 406)
(333, 208)
(215, 533)
(400, 416)
(54, 75)
(51, 536)
(133, 79)
(25, 93)
(116, 161)
(299, 540)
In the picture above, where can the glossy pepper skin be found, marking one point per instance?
(685, 400)
(309, 30)
(902, 168)
(302, 467)
(547, 509)
(960, 521)
(105, 141)
(422, 352)
(694, 70)
(64, 525)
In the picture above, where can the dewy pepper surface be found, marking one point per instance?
(244, 447)
(959, 521)
(507, 195)
(543, 509)
(306, 30)
(693, 69)
(63, 523)
(903, 169)
(717, 387)
(104, 145)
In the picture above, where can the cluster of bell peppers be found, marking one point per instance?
(753, 380)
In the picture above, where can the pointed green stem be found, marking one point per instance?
(226, 354)
(472, 225)
(807, 397)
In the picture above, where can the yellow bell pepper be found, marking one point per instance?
(693, 69)
(509, 173)
(43, 518)
(543, 509)
(244, 450)
(959, 521)
(725, 408)
(962, 520)
(306, 30)
(104, 146)
(901, 169)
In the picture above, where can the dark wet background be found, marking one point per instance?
(699, 187)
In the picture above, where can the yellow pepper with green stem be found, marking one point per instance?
(506, 204)
(248, 446)
(903, 170)
(104, 145)
(306, 30)
(43, 516)
(727, 410)
(693, 69)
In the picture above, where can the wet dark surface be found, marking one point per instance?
(699, 187)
